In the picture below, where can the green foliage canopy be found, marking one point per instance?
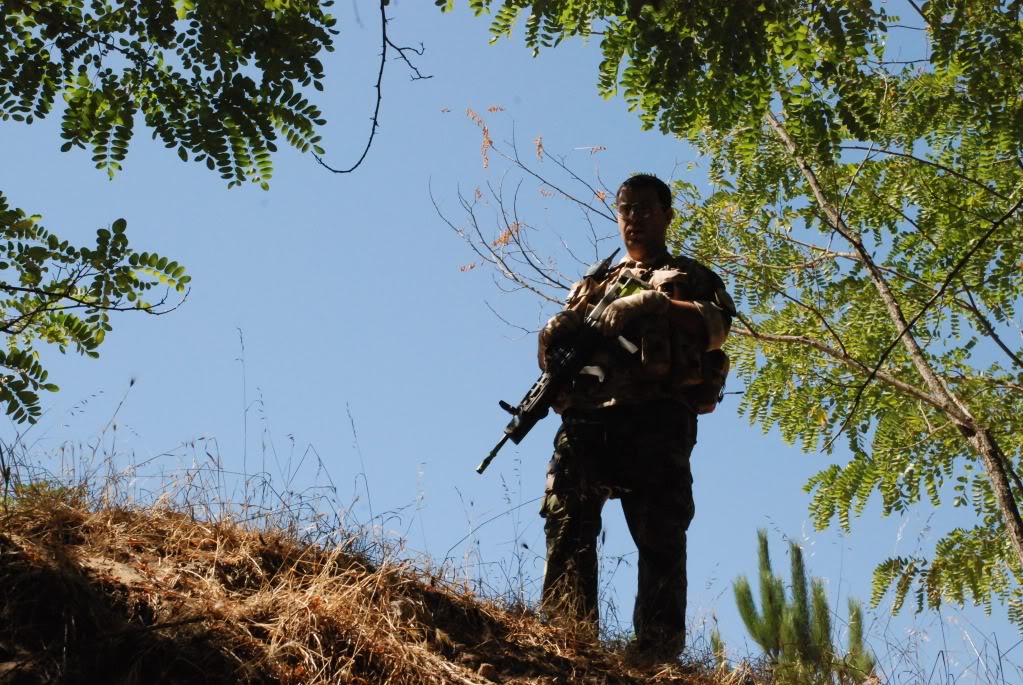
(217, 80)
(865, 209)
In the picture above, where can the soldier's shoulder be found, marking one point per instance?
(694, 267)
(599, 272)
(705, 282)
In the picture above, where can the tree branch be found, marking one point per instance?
(522, 165)
(940, 167)
(796, 301)
(385, 41)
(416, 74)
(491, 255)
(887, 297)
(952, 275)
(842, 357)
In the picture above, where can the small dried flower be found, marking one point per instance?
(506, 235)
(487, 144)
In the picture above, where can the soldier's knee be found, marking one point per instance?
(568, 518)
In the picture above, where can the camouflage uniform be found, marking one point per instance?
(628, 428)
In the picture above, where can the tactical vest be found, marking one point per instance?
(667, 364)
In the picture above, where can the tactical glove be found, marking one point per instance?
(561, 325)
(620, 312)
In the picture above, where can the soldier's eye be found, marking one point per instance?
(626, 209)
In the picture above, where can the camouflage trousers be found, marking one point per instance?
(640, 455)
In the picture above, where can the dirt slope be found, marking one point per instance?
(153, 596)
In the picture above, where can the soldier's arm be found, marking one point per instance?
(707, 322)
(688, 317)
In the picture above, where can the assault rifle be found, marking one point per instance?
(565, 359)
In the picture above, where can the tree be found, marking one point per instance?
(865, 209)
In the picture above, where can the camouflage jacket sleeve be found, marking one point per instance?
(718, 311)
(688, 280)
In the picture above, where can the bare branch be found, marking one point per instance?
(506, 322)
(517, 161)
(416, 74)
(486, 251)
(385, 41)
(516, 235)
(598, 194)
(940, 167)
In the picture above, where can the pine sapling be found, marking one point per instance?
(795, 631)
(858, 664)
(717, 648)
(765, 628)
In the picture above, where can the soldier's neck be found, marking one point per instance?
(643, 260)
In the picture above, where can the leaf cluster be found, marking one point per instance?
(689, 66)
(54, 292)
(220, 81)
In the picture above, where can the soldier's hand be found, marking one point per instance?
(561, 325)
(620, 312)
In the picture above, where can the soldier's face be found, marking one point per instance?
(643, 222)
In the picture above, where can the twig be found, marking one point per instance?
(936, 165)
(837, 355)
(416, 74)
(505, 321)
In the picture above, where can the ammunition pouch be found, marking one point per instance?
(705, 396)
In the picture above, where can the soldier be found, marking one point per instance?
(629, 423)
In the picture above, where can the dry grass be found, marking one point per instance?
(144, 595)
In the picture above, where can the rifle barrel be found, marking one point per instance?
(493, 453)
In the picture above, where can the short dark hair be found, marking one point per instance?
(640, 181)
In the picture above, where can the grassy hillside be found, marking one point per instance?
(94, 594)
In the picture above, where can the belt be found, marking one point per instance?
(620, 412)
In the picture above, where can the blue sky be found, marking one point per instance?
(354, 310)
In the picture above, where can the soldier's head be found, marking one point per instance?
(644, 214)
